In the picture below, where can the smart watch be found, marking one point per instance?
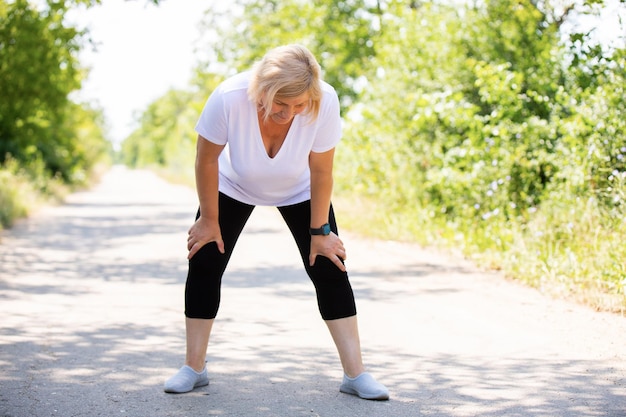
(324, 230)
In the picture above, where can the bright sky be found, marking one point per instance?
(607, 27)
(142, 51)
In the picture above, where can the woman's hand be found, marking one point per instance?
(329, 246)
(202, 232)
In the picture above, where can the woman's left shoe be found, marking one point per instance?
(365, 386)
(185, 380)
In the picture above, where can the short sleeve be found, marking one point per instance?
(213, 123)
(329, 122)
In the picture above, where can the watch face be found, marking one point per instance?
(324, 230)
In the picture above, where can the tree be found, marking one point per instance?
(38, 71)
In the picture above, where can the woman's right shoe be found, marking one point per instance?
(365, 386)
(185, 380)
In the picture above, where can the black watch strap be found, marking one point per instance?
(323, 231)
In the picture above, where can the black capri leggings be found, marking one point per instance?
(335, 298)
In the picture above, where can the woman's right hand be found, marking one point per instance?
(202, 232)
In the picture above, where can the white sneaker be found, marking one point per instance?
(185, 380)
(365, 386)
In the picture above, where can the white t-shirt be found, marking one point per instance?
(246, 172)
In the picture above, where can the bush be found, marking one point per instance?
(512, 160)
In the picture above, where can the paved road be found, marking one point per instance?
(91, 324)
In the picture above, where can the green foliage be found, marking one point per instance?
(165, 137)
(47, 141)
(38, 71)
(496, 145)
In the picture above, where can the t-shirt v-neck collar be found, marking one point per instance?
(259, 140)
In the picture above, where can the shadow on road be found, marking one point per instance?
(103, 369)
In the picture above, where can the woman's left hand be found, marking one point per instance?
(329, 246)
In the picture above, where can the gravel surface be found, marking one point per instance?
(91, 301)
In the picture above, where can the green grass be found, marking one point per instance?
(18, 196)
(24, 189)
(573, 251)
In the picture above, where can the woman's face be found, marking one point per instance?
(285, 108)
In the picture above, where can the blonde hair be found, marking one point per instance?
(285, 72)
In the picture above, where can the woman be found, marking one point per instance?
(267, 137)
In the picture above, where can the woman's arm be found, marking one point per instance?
(321, 166)
(206, 229)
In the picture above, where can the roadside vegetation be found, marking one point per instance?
(49, 144)
(491, 128)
